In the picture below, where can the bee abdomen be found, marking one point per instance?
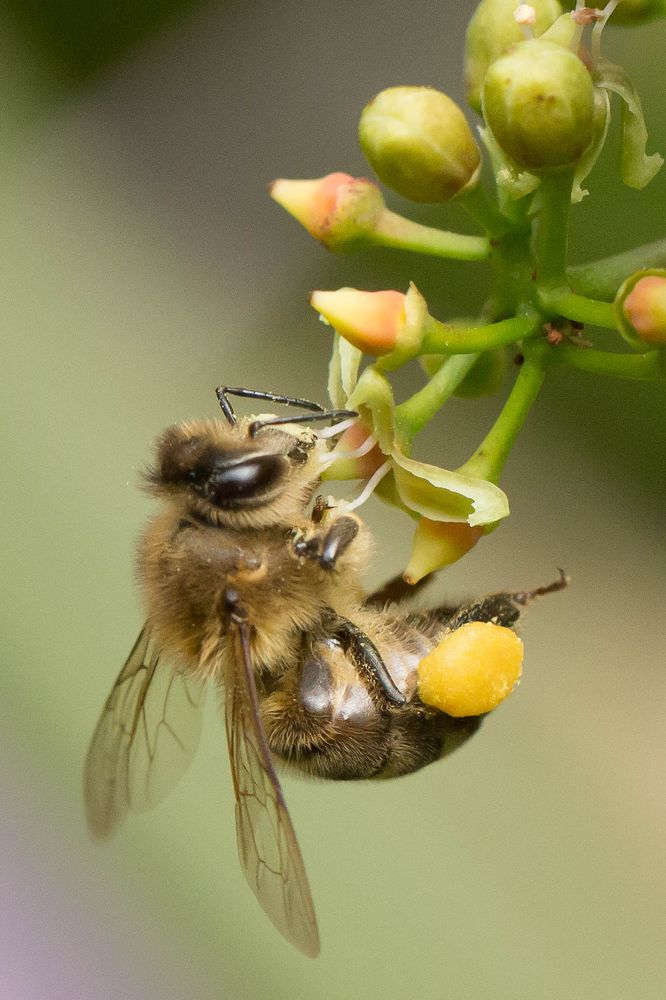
(419, 738)
(322, 720)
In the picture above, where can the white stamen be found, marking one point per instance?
(339, 454)
(363, 449)
(524, 14)
(339, 428)
(369, 487)
(326, 461)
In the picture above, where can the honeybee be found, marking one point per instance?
(254, 589)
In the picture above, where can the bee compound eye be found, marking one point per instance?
(243, 482)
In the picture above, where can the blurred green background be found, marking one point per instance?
(143, 264)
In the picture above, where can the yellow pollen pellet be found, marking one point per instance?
(471, 670)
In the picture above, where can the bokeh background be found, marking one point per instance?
(142, 265)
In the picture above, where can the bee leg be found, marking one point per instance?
(337, 540)
(394, 591)
(319, 509)
(367, 656)
(525, 596)
(500, 609)
(326, 547)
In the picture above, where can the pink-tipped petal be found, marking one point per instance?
(371, 321)
(311, 202)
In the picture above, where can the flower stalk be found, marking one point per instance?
(552, 229)
(579, 308)
(417, 411)
(648, 367)
(546, 109)
(393, 230)
(446, 338)
(488, 460)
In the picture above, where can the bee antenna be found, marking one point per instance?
(224, 391)
(301, 418)
(225, 405)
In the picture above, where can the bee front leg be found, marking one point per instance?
(337, 540)
(327, 544)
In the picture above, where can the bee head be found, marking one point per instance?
(232, 478)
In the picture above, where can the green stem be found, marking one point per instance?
(601, 279)
(646, 367)
(488, 460)
(478, 205)
(579, 308)
(412, 415)
(392, 230)
(444, 338)
(552, 227)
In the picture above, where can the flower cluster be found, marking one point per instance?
(538, 79)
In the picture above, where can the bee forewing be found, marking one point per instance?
(267, 847)
(146, 736)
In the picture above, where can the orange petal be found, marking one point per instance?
(310, 202)
(370, 321)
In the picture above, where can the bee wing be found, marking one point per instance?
(267, 847)
(144, 740)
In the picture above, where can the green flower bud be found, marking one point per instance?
(491, 31)
(538, 101)
(418, 142)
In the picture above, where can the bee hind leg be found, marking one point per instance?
(500, 609)
(526, 596)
